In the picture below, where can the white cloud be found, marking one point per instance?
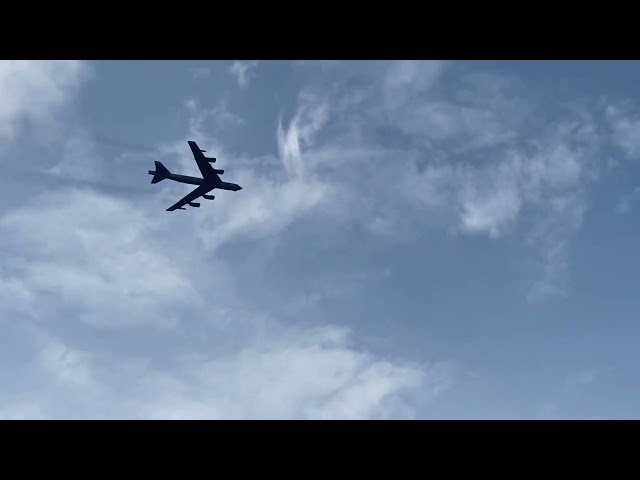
(550, 236)
(242, 71)
(441, 121)
(418, 75)
(78, 263)
(266, 376)
(490, 212)
(438, 104)
(219, 116)
(200, 73)
(493, 196)
(34, 90)
(480, 161)
(264, 207)
(626, 128)
(80, 160)
(310, 374)
(69, 367)
(404, 79)
(79, 267)
(67, 247)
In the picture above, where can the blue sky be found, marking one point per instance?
(414, 239)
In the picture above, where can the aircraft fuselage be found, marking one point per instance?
(199, 181)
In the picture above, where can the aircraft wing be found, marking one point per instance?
(203, 163)
(190, 197)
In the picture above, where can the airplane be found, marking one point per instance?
(209, 181)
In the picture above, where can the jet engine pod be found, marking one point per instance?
(219, 172)
(209, 197)
(194, 204)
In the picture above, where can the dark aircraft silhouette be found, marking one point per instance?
(208, 182)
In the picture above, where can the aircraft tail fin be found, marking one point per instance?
(160, 173)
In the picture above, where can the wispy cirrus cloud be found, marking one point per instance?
(311, 115)
(475, 159)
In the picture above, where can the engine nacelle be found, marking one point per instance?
(210, 159)
(209, 197)
(219, 172)
(194, 204)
